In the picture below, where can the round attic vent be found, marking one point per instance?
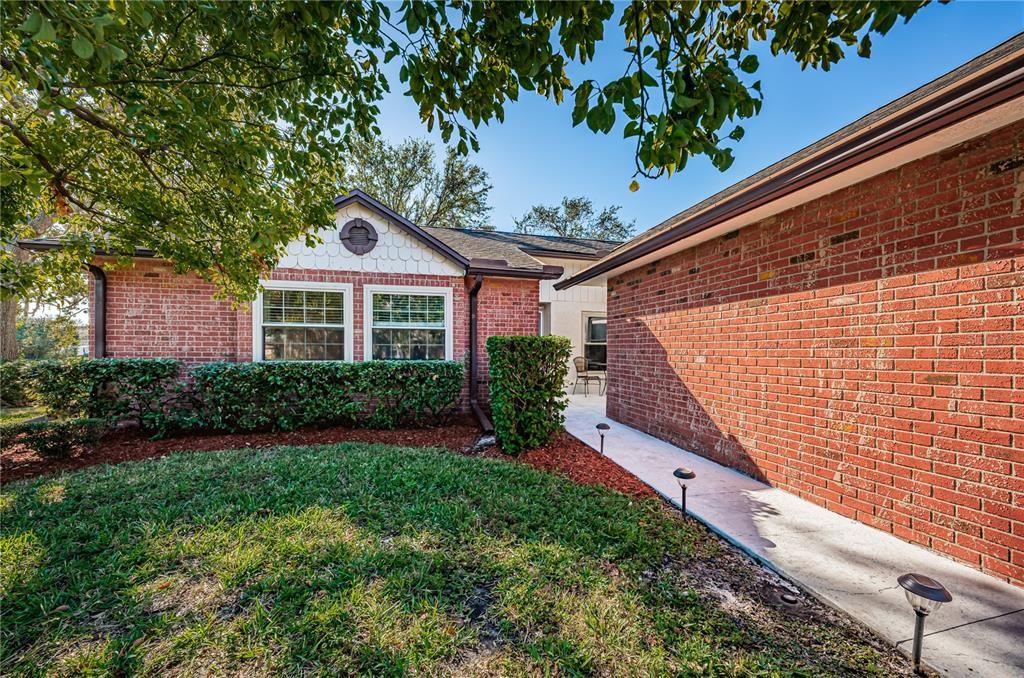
(358, 236)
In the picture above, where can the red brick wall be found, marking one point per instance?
(864, 351)
(506, 307)
(151, 312)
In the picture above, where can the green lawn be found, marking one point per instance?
(16, 415)
(356, 558)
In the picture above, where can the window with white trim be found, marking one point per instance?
(303, 324)
(408, 326)
(595, 342)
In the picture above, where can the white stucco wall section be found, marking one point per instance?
(570, 308)
(396, 250)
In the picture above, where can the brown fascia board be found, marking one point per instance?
(833, 161)
(53, 244)
(372, 203)
(499, 268)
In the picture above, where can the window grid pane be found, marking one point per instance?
(597, 330)
(408, 310)
(303, 325)
(408, 327)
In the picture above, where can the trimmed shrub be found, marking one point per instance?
(527, 389)
(290, 394)
(158, 396)
(113, 389)
(15, 383)
(53, 439)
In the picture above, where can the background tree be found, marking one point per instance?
(42, 338)
(575, 218)
(214, 133)
(406, 178)
(47, 285)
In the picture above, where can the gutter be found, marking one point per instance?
(99, 300)
(499, 268)
(474, 362)
(903, 128)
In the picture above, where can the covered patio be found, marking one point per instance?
(843, 562)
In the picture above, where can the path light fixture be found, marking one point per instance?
(682, 474)
(601, 428)
(925, 595)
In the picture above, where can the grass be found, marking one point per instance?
(355, 558)
(16, 415)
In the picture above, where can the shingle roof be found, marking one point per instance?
(478, 250)
(517, 248)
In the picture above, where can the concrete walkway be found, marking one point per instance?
(848, 565)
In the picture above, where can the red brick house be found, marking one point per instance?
(848, 324)
(376, 287)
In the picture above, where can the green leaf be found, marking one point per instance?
(46, 32)
(82, 47)
(579, 113)
(31, 24)
(683, 102)
(864, 49)
(749, 64)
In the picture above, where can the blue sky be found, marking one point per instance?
(536, 156)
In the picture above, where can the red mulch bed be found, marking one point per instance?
(567, 455)
(17, 463)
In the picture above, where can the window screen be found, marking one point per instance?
(303, 325)
(408, 327)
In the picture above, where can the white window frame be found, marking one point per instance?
(257, 310)
(587, 317)
(370, 290)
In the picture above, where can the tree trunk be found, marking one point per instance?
(8, 326)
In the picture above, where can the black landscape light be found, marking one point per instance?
(682, 473)
(601, 428)
(925, 595)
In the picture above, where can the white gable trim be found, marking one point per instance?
(397, 251)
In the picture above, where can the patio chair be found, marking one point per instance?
(586, 376)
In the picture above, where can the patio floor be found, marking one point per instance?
(847, 564)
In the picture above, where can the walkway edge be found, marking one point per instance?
(768, 564)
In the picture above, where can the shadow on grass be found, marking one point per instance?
(359, 559)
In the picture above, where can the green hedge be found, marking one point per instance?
(15, 383)
(134, 390)
(160, 396)
(53, 439)
(527, 389)
(288, 395)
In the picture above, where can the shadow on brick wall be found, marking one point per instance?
(675, 415)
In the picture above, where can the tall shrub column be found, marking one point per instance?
(527, 389)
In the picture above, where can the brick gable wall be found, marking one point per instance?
(864, 351)
(502, 305)
(154, 313)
